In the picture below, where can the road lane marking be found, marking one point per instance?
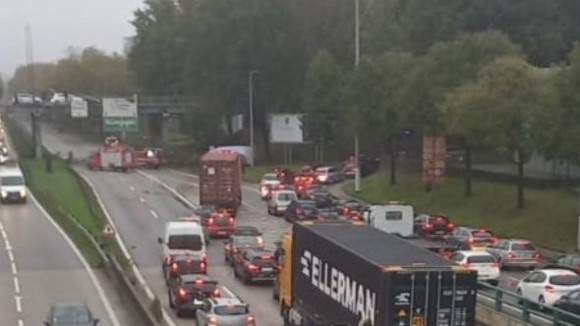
(11, 256)
(1, 227)
(155, 216)
(229, 292)
(4, 234)
(7, 243)
(132, 188)
(99, 289)
(141, 199)
(14, 271)
(16, 285)
(18, 300)
(20, 322)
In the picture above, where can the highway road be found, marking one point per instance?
(39, 265)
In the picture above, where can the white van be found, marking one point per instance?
(394, 218)
(12, 185)
(183, 239)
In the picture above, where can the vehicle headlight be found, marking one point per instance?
(4, 193)
(23, 193)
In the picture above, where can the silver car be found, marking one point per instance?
(515, 253)
(225, 311)
(280, 201)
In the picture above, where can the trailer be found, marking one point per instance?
(351, 274)
(220, 183)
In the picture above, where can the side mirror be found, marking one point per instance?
(160, 240)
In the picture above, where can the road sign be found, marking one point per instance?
(79, 108)
(402, 314)
(120, 114)
(434, 159)
(108, 230)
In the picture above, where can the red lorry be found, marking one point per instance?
(112, 155)
(220, 176)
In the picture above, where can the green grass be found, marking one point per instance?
(64, 196)
(254, 174)
(549, 217)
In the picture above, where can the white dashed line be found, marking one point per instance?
(14, 271)
(18, 300)
(155, 216)
(7, 243)
(229, 292)
(141, 199)
(4, 234)
(132, 188)
(20, 322)
(16, 285)
(11, 256)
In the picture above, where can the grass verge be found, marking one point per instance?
(549, 218)
(65, 196)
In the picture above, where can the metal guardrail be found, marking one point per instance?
(509, 303)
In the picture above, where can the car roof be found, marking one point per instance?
(10, 171)
(471, 253)
(227, 301)
(259, 251)
(180, 258)
(285, 191)
(246, 231)
(66, 304)
(555, 271)
(193, 277)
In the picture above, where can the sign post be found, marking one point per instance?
(120, 115)
(434, 159)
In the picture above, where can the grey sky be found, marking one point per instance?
(58, 24)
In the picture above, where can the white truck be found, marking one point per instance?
(394, 218)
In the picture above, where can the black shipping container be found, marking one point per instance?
(345, 273)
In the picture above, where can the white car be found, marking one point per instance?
(280, 201)
(268, 180)
(546, 286)
(481, 261)
(59, 98)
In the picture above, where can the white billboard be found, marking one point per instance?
(79, 108)
(119, 108)
(286, 128)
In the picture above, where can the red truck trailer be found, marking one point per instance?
(220, 176)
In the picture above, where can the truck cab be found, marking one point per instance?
(394, 218)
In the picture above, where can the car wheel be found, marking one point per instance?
(226, 258)
(171, 304)
(494, 282)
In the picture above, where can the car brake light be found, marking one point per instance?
(202, 267)
(510, 256)
(266, 257)
(236, 250)
(210, 221)
(253, 268)
(182, 293)
(174, 267)
(471, 241)
(549, 289)
(428, 226)
(232, 221)
(298, 211)
(216, 293)
(537, 256)
(211, 321)
(345, 210)
(494, 240)
(250, 319)
(198, 281)
(450, 227)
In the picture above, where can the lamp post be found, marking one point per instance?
(356, 64)
(251, 109)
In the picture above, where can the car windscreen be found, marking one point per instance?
(480, 259)
(286, 196)
(523, 246)
(231, 310)
(204, 286)
(482, 234)
(439, 220)
(70, 316)
(12, 181)
(190, 266)
(245, 241)
(270, 177)
(185, 242)
(565, 280)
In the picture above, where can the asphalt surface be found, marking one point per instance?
(39, 266)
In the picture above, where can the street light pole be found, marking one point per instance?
(251, 85)
(356, 64)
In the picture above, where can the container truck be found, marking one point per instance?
(351, 274)
(220, 180)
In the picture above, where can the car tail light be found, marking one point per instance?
(182, 293)
(494, 241)
(168, 260)
(510, 256)
(236, 250)
(210, 221)
(253, 268)
(232, 221)
(298, 211)
(174, 267)
(549, 289)
(211, 321)
(250, 320)
(345, 211)
(471, 241)
(450, 227)
(537, 256)
(428, 226)
(198, 281)
(216, 293)
(203, 267)
(266, 257)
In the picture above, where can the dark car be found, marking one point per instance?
(70, 314)
(331, 214)
(433, 225)
(256, 265)
(346, 207)
(570, 303)
(187, 292)
(312, 189)
(324, 199)
(243, 237)
(185, 264)
(464, 238)
(300, 210)
(570, 262)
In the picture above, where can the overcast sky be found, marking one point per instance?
(58, 24)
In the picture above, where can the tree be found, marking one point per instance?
(502, 107)
(321, 100)
(2, 89)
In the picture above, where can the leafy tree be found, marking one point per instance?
(502, 107)
(321, 100)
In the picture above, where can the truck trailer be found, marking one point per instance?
(351, 274)
(220, 180)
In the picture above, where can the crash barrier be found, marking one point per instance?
(519, 309)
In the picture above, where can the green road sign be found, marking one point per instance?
(120, 124)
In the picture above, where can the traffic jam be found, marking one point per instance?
(303, 197)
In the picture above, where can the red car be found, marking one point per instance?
(220, 225)
(433, 225)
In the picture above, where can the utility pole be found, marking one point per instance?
(35, 114)
(251, 109)
(356, 64)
